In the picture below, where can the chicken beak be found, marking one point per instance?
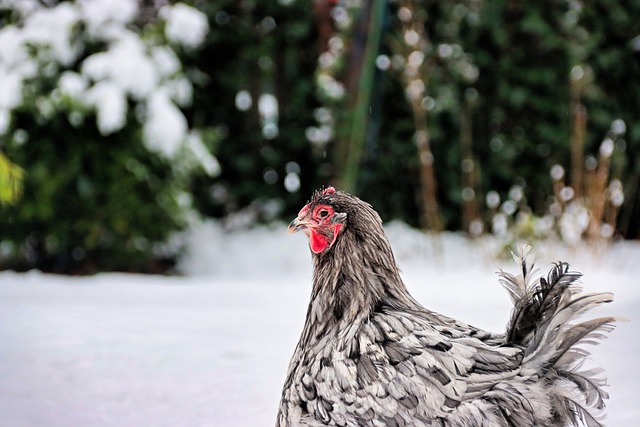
(297, 225)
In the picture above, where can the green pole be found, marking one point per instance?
(358, 129)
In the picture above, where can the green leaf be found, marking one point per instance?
(11, 177)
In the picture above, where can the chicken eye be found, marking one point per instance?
(323, 213)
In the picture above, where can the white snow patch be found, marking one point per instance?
(10, 90)
(204, 158)
(111, 106)
(12, 50)
(52, 27)
(72, 84)
(166, 127)
(185, 25)
(98, 14)
(165, 60)
(180, 90)
(126, 65)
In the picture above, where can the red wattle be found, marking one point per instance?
(317, 242)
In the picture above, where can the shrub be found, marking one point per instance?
(90, 108)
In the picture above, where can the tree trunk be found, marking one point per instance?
(416, 75)
(578, 130)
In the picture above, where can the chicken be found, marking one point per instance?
(371, 355)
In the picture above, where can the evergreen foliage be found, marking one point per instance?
(257, 48)
(93, 121)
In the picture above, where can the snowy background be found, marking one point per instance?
(211, 348)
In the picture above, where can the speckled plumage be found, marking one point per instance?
(371, 355)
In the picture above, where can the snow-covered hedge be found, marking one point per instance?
(91, 99)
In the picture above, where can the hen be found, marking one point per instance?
(371, 355)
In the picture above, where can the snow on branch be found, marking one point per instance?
(102, 62)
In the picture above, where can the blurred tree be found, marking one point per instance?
(612, 54)
(523, 104)
(434, 70)
(542, 98)
(257, 63)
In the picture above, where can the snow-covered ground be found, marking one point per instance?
(211, 348)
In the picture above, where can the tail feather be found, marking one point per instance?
(575, 411)
(543, 323)
(590, 385)
(536, 304)
(517, 286)
(551, 343)
(590, 332)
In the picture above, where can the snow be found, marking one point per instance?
(72, 84)
(10, 88)
(110, 103)
(134, 64)
(209, 164)
(126, 65)
(53, 28)
(98, 14)
(211, 348)
(166, 61)
(185, 25)
(165, 127)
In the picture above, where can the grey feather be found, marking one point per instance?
(371, 355)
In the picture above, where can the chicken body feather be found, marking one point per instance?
(371, 355)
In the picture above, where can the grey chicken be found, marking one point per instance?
(371, 355)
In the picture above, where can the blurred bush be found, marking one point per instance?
(90, 98)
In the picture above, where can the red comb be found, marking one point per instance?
(328, 190)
